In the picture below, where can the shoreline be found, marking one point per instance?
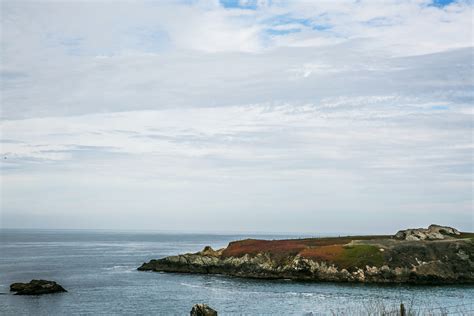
(443, 256)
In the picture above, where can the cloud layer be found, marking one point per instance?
(244, 116)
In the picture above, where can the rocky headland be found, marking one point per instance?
(433, 255)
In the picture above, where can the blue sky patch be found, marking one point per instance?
(282, 32)
(440, 107)
(288, 19)
(285, 19)
(236, 4)
(442, 3)
(321, 27)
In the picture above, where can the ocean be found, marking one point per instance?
(98, 268)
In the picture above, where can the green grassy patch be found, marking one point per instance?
(360, 256)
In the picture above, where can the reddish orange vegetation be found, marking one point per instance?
(281, 248)
(323, 253)
(254, 246)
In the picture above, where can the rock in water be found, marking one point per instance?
(36, 287)
(202, 310)
(433, 232)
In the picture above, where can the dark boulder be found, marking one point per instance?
(202, 310)
(36, 287)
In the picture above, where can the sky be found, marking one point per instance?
(236, 116)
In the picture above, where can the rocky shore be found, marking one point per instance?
(434, 255)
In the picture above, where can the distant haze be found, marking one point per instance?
(261, 116)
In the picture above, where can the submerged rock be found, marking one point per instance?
(36, 287)
(433, 232)
(202, 310)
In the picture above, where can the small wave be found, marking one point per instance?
(192, 285)
(118, 268)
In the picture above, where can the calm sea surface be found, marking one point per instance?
(99, 271)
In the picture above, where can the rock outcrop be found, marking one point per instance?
(376, 259)
(36, 287)
(433, 232)
(208, 251)
(202, 310)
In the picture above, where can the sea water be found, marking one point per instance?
(98, 268)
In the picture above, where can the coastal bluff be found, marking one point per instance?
(433, 255)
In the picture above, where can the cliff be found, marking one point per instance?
(375, 259)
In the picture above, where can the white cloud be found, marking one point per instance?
(195, 112)
(259, 159)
